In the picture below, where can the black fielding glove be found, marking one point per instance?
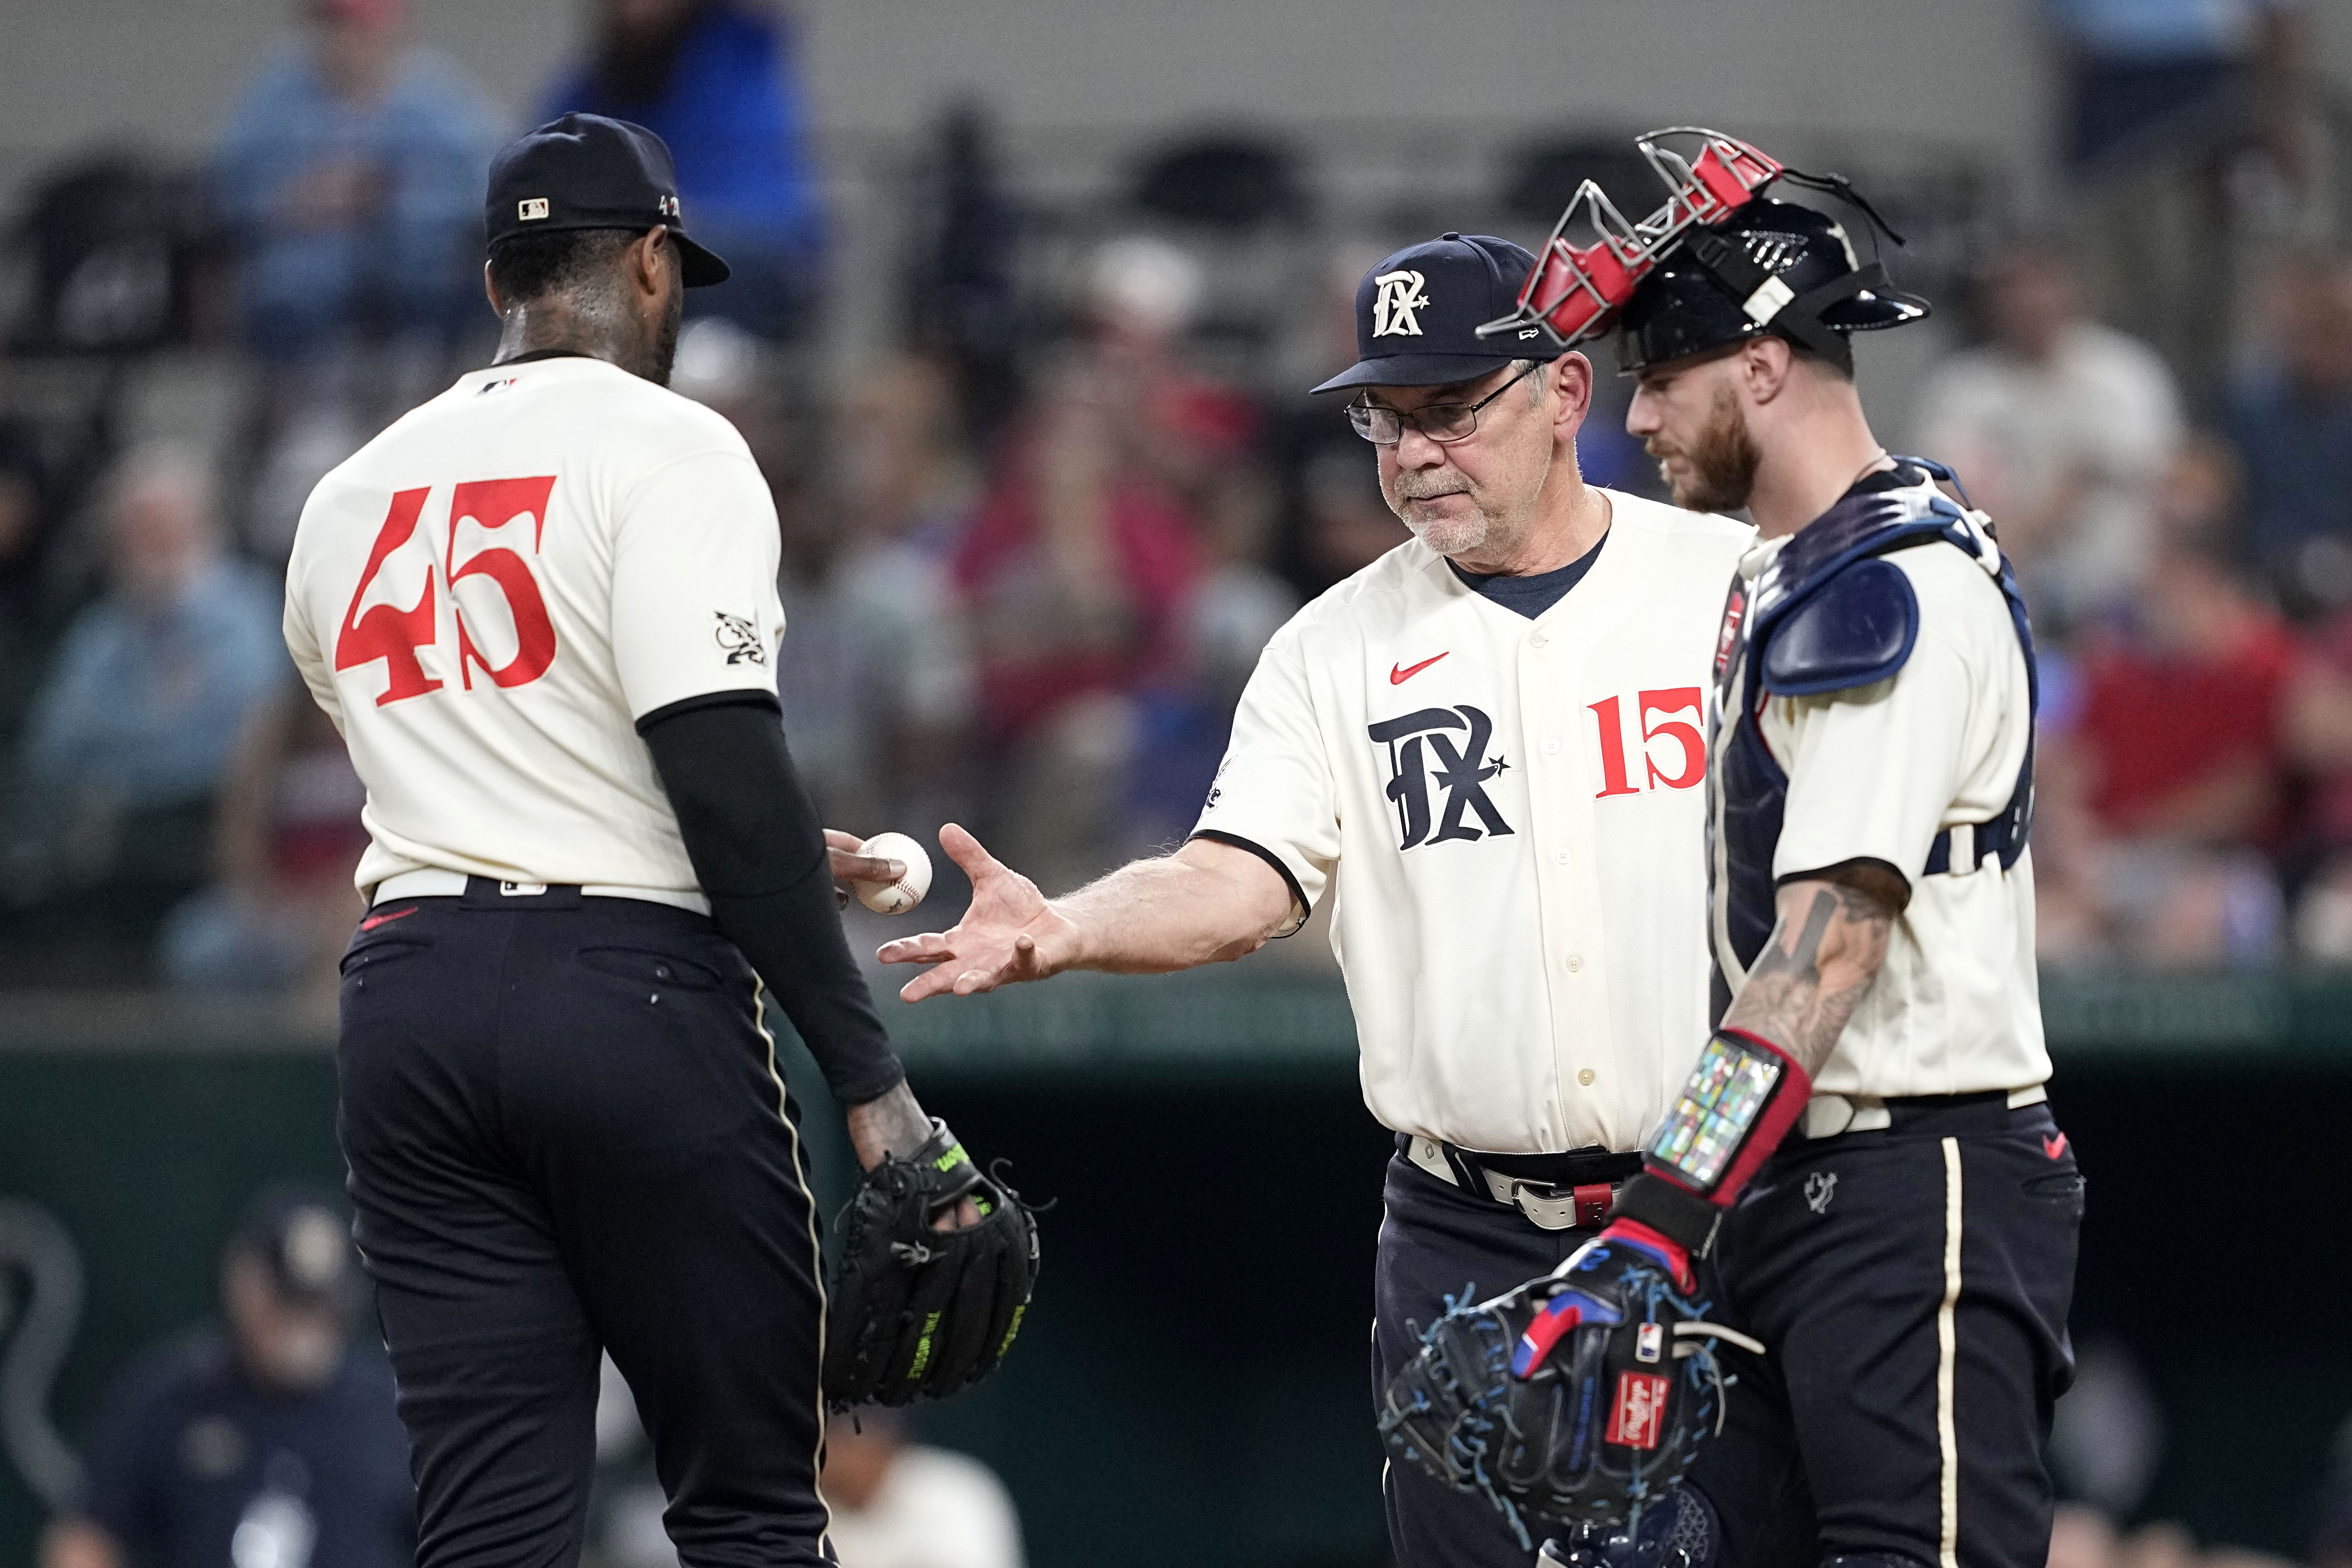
(916, 1311)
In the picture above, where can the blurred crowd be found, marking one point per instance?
(1032, 550)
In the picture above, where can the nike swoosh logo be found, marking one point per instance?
(2054, 1147)
(375, 920)
(1398, 674)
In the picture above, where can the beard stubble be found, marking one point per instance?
(1723, 459)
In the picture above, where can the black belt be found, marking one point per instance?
(1575, 1168)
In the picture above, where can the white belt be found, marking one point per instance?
(1827, 1115)
(1547, 1207)
(435, 883)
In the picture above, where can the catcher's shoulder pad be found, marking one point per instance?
(1855, 629)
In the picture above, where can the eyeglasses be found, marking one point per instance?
(1442, 423)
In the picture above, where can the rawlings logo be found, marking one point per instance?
(1734, 610)
(1638, 1415)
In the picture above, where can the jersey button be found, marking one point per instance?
(1540, 640)
(1551, 748)
(1584, 1077)
(1575, 963)
(1561, 857)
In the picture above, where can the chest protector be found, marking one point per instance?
(1831, 614)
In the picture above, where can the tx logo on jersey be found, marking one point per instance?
(1425, 756)
(1394, 306)
(740, 638)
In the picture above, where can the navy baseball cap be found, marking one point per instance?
(303, 1237)
(584, 171)
(1418, 311)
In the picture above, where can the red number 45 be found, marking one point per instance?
(394, 635)
(1614, 778)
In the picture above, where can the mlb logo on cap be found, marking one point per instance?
(1418, 313)
(584, 171)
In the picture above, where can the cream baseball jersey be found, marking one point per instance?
(489, 594)
(1515, 810)
(1919, 760)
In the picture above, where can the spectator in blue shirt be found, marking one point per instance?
(2292, 424)
(269, 1441)
(719, 82)
(351, 175)
(150, 683)
(2151, 77)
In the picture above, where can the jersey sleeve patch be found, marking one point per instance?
(1855, 629)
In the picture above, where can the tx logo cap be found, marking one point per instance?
(1417, 314)
(584, 171)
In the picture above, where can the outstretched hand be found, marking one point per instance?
(1009, 932)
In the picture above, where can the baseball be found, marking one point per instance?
(896, 897)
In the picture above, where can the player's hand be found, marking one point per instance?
(1009, 932)
(892, 1125)
(849, 866)
(1670, 1255)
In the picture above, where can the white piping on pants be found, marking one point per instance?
(1947, 1354)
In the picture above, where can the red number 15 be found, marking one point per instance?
(389, 633)
(1614, 778)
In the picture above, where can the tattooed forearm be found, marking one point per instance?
(1826, 951)
(1796, 960)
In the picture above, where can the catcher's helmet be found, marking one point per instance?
(1771, 267)
(1718, 264)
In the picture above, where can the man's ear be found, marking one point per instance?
(650, 260)
(1765, 361)
(491, 292)
(1571, 382)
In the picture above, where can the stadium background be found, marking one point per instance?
(1178, 1398)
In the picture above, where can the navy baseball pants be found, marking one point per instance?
(566, 1133)
(1912, 1285)
(1437, 1241)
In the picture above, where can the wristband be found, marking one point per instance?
(1657, 1204)
(1741, 1100)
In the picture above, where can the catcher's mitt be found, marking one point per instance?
(916, 1311)
(1581, 1396)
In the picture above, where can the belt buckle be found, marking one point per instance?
(1582, 1207)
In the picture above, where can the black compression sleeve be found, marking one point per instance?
(760, 854)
